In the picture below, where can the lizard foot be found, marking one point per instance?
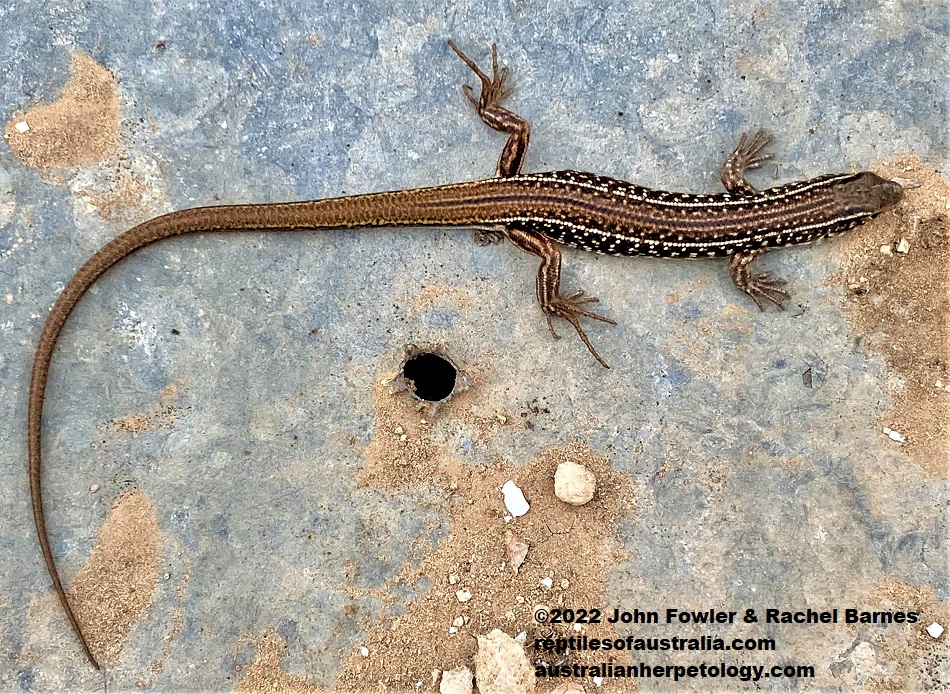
(761, 286)
(494, 90)
(765, 286)
(488, 237)
(749, 152)
(570, 308)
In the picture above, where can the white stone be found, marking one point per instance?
(935, 630)
(463, 595)
(893, 435)
(457, 681)
(22, 127)
(515, 502)
(501, 665)
(574, 484)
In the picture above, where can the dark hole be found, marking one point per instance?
(433, 376)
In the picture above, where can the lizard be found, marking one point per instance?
(536, 212)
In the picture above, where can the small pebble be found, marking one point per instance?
(574, 484)
(893, 435)
(903, 246)
(22, 126)
(935, 630)
(463, 595)
(515, 502)
(516, 550)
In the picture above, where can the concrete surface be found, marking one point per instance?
(255, 103)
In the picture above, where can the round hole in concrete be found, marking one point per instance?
(432, 377)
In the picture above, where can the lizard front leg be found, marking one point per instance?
(749, 154)
(761, 286)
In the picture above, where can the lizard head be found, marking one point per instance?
(869, 193)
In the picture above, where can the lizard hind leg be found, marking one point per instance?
(494, 91)
(570, 307)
